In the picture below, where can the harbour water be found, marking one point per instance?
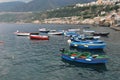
(25, 59)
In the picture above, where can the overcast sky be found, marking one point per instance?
(14, 0)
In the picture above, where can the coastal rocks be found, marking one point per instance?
(116, 27)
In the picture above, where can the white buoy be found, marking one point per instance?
(69, 41)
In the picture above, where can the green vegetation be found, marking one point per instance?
(7, 18)
(15, 17)
(81, 12)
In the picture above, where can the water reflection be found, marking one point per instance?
(92, 67)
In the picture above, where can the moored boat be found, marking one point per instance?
(54, 32)
(100, 33)
(35, 33)
(88, 44)
(73, 29)
(70, 33)
(84, 37)
(43, 30)
(83, 57)
(21, 33)
(39, 37)
(88, 31)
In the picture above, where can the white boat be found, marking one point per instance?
(88, 31)
(73, 29)
(43, 30)
(54, 32)
(21, 33)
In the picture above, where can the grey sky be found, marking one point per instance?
(14, 0)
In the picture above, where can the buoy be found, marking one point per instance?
(69, 41)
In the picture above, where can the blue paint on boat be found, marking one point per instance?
(88, 44)
(85, 60)
(70, 33)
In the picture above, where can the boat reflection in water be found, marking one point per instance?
(93, 67)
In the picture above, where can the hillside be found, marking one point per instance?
(81, 12)
(10, 6)
(42, 5)
(38, 5)
(69, 11)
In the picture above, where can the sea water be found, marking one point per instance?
(25, 59)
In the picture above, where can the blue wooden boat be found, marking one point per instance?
(83, 57)
(84, 37)
(70, 33)
(88, 44)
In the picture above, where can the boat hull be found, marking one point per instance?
(70, 33)
(43, 30)
(22, 34)
(39, 37)
(100, 34)
(84, 60)
(88, 45)
(55, 33)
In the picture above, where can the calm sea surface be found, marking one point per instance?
(24, 59)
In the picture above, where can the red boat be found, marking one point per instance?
(39, 37)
